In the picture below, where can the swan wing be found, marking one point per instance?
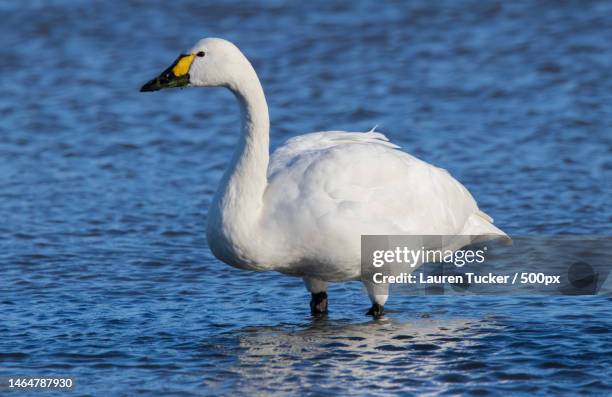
(315, 141)
(327, 189)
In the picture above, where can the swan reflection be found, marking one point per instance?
(324, 353)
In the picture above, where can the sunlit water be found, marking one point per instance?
(105, 272)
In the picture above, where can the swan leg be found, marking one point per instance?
(318, 291)
(378, 293)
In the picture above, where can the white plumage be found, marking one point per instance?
(303, 210)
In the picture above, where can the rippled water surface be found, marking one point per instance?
(105, 271)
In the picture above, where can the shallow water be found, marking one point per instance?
(105, 272)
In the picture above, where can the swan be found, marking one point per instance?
(302, 210)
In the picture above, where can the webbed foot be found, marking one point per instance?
(318, 303)
(376, 310)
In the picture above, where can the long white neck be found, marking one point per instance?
(237, 206)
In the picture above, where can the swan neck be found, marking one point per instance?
(248, 172)
(238, 203)
(254, 111)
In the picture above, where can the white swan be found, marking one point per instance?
(302, 211)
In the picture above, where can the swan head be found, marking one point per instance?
(211, 62)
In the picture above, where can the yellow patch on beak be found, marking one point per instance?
(182, 66)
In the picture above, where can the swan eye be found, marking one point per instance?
(201, 54)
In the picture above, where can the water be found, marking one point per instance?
(105, 272)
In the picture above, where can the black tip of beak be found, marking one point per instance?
(167, 79)
(153, 85)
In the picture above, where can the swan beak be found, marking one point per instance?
(177, 75)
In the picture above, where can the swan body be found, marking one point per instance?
(302, 211)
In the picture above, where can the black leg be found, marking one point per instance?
(318, 303)
(375, 311)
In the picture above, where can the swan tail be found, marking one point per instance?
(485, 216)
(480, 225)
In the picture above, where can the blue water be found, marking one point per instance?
(105, 273)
